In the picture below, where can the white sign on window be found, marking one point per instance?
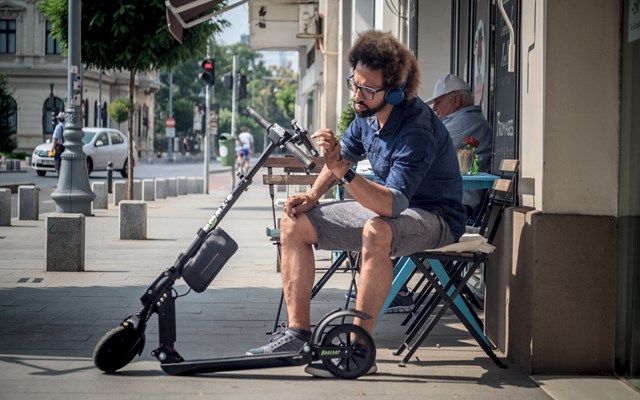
(634, 20)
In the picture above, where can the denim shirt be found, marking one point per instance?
(413, 154)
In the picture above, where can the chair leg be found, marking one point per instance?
(431, 305)
(335, 265)
(449, 302)
(428, 293)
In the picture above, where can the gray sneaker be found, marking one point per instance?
(401, 304)
(282, 341)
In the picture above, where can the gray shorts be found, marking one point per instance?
(339, 227)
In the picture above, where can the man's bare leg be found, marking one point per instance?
(297, 268)
(376, 272)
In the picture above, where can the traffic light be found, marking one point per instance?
(227, 81)
(208, 74)
(242, 87)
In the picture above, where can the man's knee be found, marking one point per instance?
(298, 230)
(376, 235)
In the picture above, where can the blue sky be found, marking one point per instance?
(239, 19)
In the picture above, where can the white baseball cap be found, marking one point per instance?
(447, 84)
(60, 116)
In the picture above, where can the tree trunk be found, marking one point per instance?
(132, 85)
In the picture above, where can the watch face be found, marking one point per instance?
(348, 176)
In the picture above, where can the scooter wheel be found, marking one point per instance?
(363, 353)
(117, 348)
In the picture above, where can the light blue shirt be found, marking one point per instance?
(469, 121)
(57, 133)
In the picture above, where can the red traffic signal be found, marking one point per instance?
(208, 74)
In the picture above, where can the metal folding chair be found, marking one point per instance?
(448, 269)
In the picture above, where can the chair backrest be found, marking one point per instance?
(501, 194)
(292, 171)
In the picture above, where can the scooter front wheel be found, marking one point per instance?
(117, 348)
(362, 351)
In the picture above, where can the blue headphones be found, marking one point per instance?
(395, 96)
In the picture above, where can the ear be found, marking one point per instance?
(457, 100)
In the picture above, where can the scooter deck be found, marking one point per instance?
(193, 367)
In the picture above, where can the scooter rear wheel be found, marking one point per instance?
(363, 353)
(117, 348)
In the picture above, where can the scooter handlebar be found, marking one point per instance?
(300, 156)
(259, 118)
(289, 146)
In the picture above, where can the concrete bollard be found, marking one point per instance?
(28, 202)
(200, 184)
(148, 190)
(182, 185)
(137, 189)
(119, 192)
(102, 197)
(192, 186)
(161, 188)
(5, 207)
(172, 187)
(65, 242)
(133, 220)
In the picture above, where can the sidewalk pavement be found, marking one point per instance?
(51, 321)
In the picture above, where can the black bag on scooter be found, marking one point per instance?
(216, 249)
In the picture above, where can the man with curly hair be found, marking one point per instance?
(414, 201)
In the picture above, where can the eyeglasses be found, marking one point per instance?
(366, 92)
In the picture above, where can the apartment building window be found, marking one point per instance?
(7, 36)
(53, 46)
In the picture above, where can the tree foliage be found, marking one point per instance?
(8, 141)
(119, 110)
(346, 117)
(128, 34)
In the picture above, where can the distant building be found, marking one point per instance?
(36, 71)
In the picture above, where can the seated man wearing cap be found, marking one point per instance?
(453, 103)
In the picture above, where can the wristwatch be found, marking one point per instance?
(348, 177)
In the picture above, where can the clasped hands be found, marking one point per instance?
(301, 203)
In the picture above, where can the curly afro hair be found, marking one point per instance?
(381, 50)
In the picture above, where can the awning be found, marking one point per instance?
(184, 14)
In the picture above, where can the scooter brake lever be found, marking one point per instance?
(304, 138)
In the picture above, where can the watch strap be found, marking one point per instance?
(348, 177)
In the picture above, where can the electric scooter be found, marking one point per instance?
(346, 349)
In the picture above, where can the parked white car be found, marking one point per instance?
(101, 145)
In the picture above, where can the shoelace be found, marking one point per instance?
(279, 333)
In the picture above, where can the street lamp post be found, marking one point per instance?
(73, 193)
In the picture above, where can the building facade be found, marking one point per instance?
(562, 290)
(36, 69)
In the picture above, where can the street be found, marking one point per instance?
(143, 170)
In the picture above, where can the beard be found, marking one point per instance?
(369, 112)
